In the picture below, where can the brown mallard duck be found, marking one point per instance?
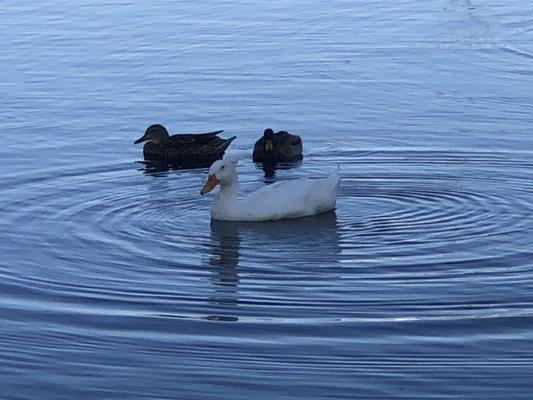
(281, 146)
(196, 149)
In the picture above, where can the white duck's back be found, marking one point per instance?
(291, 199)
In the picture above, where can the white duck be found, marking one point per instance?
(288, 199)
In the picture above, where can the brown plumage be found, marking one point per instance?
(200, 149)
(278, 147)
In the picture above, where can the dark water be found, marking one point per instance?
(115, 285)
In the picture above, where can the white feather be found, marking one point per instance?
(287, 199)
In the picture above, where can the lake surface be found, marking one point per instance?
(114, 284)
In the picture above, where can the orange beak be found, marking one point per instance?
(212, 181)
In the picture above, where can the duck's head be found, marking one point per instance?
(222, 172)
(268, 135)
(154, 133)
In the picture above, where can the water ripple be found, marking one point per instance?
(149, 244)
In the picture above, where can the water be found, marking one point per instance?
(114, 283)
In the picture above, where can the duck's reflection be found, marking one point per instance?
(224, 261)
(310, 240)
(314, 236)
(157, 165)
(270, 167)
(154, 165)
(225, 252)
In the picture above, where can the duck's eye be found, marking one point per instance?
(222, 167)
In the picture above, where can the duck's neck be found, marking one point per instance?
(229, 190)
(225, 203)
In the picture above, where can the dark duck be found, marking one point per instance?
(183, 150)
(276, 147)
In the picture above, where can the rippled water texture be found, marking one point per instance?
(115, 284)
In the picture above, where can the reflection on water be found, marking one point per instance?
(155, 165)
(275, 240)
(224, 264)
(271, 241)
(269, 167)
(151, 167)
(224, 244)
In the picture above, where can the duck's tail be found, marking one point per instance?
(223, 146)
(334, 178)
(207, 134)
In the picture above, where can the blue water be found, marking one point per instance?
(114, 284)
